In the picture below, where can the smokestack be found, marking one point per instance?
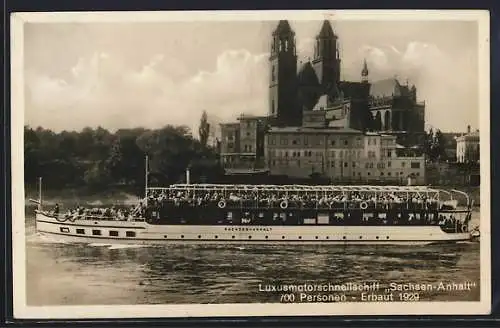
(468, 128)
(187, 176)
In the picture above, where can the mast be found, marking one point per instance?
(146, 181)
(40, 193)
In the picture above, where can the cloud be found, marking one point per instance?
(102, 90)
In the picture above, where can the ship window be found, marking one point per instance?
(360, 237)
(317, 237)
(300, 237)
(282, 237)
(233, 237)
(344, 237)
(327, 237)
(182, 236)
(64, 229)
(199, 236)
(96, 232)
(80, 231)
(249, 237)
(267, 237)
(113, 233)
(216, 237)
(165, 236)
(377, 237)
(387, 237)
(130, 233)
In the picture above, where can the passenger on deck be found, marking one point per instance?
(56, 209)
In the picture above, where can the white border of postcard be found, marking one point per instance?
(22, 311)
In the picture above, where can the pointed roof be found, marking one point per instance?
(386, 88)
(364, 72)
(326, 30)
(283, 28)
(307, 75)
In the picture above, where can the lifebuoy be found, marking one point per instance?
(222, 204)
(284, 204)
(61, 218)
(363, 205)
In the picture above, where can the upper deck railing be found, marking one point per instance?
(413, 190)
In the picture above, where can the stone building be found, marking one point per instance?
(343, 155)
(318, 124)
(394, 109)
(302, 152)
(242, 143)
(468, 147)
(300, 97)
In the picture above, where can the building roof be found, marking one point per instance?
(251, 117)
(292, 129)
(354, 90)
(386, 88)
(326, 30)
(283, 28)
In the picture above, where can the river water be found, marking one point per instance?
(95, 274)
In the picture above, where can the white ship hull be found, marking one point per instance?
(131, 232)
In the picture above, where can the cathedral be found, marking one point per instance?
(313, 95)
(318, 123)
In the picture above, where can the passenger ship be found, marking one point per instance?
(217, 213)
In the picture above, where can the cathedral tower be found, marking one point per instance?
(283, 106)
(326, 60)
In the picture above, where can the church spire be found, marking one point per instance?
(326, 59)
(364, 72)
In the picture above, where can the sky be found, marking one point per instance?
(149, 74)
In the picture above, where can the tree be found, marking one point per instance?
(204, 129)
(439, 145)
(428, 141)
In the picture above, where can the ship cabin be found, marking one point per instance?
(213, 204)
